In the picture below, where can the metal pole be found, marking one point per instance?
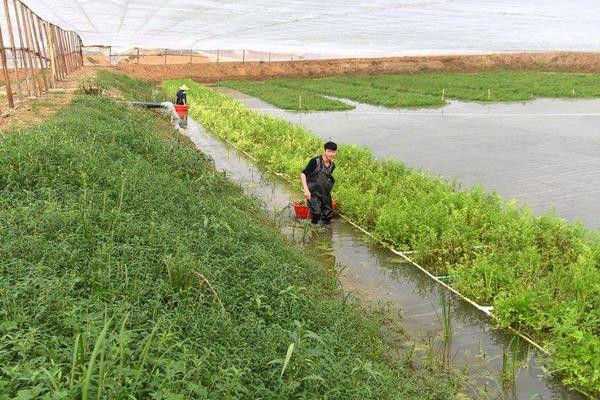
(244, 56)
(166, 50)
(191, 56)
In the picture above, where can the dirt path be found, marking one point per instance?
(34, 111)
(211, 72)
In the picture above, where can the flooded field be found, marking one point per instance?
(436, 324)
(543, 153)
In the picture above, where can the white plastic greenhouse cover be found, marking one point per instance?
(334, 27)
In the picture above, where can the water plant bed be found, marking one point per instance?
(287, 98)
(426, 89)
(121, 276)
(540, 274)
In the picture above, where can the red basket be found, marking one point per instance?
(302, 211)
(181, 110)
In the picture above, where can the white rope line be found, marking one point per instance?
(401, 113)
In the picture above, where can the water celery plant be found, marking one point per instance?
(541, 274)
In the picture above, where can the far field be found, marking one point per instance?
(422, 90)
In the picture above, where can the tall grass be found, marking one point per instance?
(541, 274)
(130, 269)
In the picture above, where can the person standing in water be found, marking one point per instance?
(181, 96)
(317, 182)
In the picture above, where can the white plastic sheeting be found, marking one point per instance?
(334, 27)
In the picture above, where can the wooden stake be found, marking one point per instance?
(166, 50)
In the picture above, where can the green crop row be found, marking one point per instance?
(434, 89)
(287, 98)
(130, 269)
(541, 274)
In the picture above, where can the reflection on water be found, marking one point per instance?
(439, 329)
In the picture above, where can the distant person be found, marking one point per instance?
(181, 96)
(317, 182)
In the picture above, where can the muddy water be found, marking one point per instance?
(544, 153)
(376, 276)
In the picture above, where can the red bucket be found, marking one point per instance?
(181, 110)
(302, 211)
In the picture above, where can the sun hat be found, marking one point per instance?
(183, 87)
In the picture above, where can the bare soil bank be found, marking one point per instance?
(212, 72)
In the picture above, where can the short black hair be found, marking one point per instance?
(330, 146)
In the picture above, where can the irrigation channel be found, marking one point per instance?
(435, 323)
(544, 153)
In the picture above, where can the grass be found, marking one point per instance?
(287, 98)
(129, 268)
(435, 89)
(130, 89)
(541, 274)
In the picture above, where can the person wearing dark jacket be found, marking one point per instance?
(317, 182)
(181, 96)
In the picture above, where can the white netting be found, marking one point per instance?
(348, 27)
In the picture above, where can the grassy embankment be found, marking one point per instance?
(427, 90)
(541, 274)
(129, 88)
(130, 269)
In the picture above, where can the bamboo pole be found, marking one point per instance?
(60, 67)
(37, 48)
(35, 53)
(9, 93)
(63, 46)
(80, 48)
(31, 46)
(42, 44)
(28, 82)
(63, 51)
(11, 37)
(51, 54)
(37, 89)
